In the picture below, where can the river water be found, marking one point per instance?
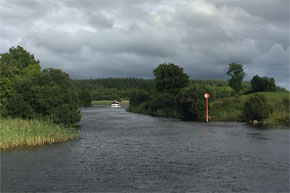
(126, 152)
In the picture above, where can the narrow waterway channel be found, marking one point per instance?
(126, 152)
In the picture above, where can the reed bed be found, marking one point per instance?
(20, 133)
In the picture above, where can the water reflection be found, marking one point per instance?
(259, 136)
(206, 129)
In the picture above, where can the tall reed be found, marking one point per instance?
(19, 133)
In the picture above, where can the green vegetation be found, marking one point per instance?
(237, 74)
(169, 78)
(232, 108)
(162, 101)
(27, 92)
(139, 97)
(19, 133)
(256, 108)
(15, 66)
(109, 102)
(85, 98)
(227, 109)
(112, 88)
(39, 107)
(185, 99)
(262, 84)
(49, 95)
(191, 103)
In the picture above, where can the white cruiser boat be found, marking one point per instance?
(115, 104)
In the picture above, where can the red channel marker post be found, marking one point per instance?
(206, 96)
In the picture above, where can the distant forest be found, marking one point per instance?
(124, 88)
(112, 88)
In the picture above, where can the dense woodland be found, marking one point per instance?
(29, 93)
(113, 88)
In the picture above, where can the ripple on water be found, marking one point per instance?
(125, 152)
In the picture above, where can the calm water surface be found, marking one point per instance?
(125, 152)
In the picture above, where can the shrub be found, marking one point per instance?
(162, 100)
(50, 94)
(191, 103)
(163, 104)
(230, 109)
(256, 108)
(139, 97)
(222, 92)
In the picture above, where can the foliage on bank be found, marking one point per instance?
(175, 96)
(29, 93)
(36, 107)
(186, 101)
(49, 95)
(272, 108)
(20, 133)
(257, 108)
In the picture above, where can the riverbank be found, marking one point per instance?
(231, 108)
(109, 102)
(20, 133)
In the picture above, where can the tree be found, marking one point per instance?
(256, 108)
(191, 102)
(163, 104)
(237, 74)
(139, 97)
(85, 98)
(170, 78)
(162, 101)
(260, 84)
(16, 65)
(50, 94)
(21, 61)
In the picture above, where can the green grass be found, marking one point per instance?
(227, 109)
(20, 133)
(109, 102)
(231, 108)
(274, 95)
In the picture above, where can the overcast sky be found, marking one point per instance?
(129, 38)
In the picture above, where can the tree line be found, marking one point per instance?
(111, 88)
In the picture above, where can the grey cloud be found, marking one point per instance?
(267, 9)
(22, 13)
(98, 19)
(103, 38)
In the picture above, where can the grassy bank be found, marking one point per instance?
(231, 109)
(109, 102)
(19, 133)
